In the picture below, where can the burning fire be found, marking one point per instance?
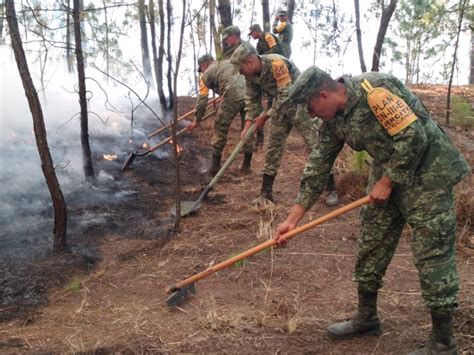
(145, 145)
(180, 149)
(110, 157)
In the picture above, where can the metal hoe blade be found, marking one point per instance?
(129, 161)
(187, 207)
(180, 295)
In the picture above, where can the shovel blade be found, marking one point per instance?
(187, 207)
(129, 161)
(180, 296)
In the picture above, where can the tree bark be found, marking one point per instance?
(161, 54)
(2, 14)
(151, 18)
(177, 157)
(384, 22)
(86, 149)
(60, 210)
(169, 12)
(359, 37)
(69, 57)
(212, 25)
(225, 13)
(471, 76)
(291, 10)
(144, 40)
(462, 8)
(266, 15)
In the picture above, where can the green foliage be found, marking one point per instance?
(74, 286)
(239, 264)
(461, 112)
(359, 162)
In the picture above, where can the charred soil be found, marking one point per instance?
(108, 293)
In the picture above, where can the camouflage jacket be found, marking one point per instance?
(220, 78)
(269, 44)
(276, 77)
(420, 153)
(284, 30)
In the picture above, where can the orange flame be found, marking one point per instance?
(110, 157)
(145, 145)
(180, 148)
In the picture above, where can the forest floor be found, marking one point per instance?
(109, 294)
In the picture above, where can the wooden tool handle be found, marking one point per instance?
(270, 243)
(211, 102)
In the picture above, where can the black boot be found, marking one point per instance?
(216, 164)
(441, 341)
(365, 322)
(331, 198)
(266, 193)
(245, 168)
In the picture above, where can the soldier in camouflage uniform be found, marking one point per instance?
(413, 172)
(273, 74)
(230, 41)
(267, 43)
(284, 29)
(220, 78)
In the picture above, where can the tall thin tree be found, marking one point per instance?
(169, 16)
(2, 15)
(266, 15)
(290, 6)
(161, 54)
(225, 13)
(86, 149)
(144, 40)
(69, 55)
(213, 29)
(387, 13)
(47, 165)
(359, 36)
(471, 76)
(177, 157)
(462, 10)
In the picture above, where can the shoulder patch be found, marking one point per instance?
(203, 89)
(280, 73)
(270, 40)
(391, 111)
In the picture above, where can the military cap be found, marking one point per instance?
(282, 13)
(307, 84)
(242, 52)
(231, 30)
(205, 58)
(255, 27)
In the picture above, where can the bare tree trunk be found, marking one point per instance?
(193, 43)
(471, 76)
(291, 9)
(86, 149)
(462, 8)
(384, 21)
(225, 13)
(212, 24)
(2, 14)
(69, 58)
(144, 40)
(169, 13)
(47, 165)
(151, 19)
(266, 15)
(107, 57)
(161, 54)
(177, 157)
(359, 37)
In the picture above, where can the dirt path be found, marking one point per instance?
(278, 301)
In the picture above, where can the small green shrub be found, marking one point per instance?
(358, 164)
(74, 286)
(461, 112)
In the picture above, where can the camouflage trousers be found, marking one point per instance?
(280, 128)
(429, 211)
(287, 48)
(228, 109)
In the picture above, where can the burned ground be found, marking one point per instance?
(108, 294)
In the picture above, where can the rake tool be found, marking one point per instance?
(212, 102)
(131, 157)
(188, 207)
(180, 291)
